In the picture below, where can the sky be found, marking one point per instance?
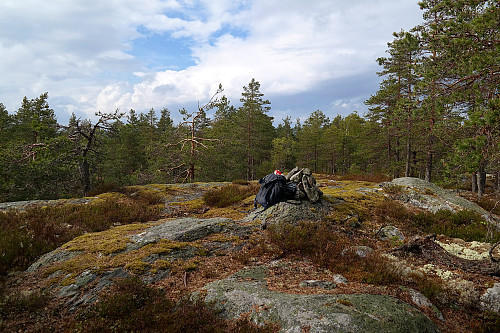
(103, 55)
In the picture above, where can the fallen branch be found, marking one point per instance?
(427, 249)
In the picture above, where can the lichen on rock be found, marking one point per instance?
(246, 293)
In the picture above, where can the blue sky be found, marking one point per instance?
(100, 55)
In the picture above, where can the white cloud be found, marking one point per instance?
(80, 51)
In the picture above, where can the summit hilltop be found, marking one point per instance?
(367, 257)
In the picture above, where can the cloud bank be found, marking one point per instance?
(108, 54)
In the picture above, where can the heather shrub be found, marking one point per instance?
(465, 224)
(26, 235)
(132, 306)
(229, 194)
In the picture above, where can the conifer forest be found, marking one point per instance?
(436, 116)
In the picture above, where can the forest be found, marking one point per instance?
(436, 115)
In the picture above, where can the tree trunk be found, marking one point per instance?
(481, 181)
(428, 166)
(474, 182)
(85, 172)
(408, 159)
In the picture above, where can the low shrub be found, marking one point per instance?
(337, 252)
(465, 224)
(26, 235)
(393, 189)
(487, 322)
(19, 302)
(491, 205)
(229, 194)
(132, 306)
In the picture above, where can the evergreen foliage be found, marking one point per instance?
(436, 116)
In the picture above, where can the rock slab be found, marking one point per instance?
(246, 293)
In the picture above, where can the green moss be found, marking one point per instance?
(191, 266)
(68, 280)
(106, 242)
(137, 267)
(195, 204)
(160, 265)
(345, 302)
(105, 250)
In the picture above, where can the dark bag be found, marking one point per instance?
(290, 189)
(272, 190)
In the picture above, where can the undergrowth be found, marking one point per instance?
(229, 194)
(26, 235)
(132, 306)
(465, 224)
(336, 251)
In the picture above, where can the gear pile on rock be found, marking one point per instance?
(305, 182)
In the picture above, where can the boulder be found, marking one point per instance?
(245, 293)
(391, 232)
(426, 195)
(290, 213)
(490, 300)
(85, 266)
(184, 229)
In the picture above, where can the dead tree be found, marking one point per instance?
(191, 120)
(87, 133)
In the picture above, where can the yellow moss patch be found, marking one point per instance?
(222, 238)
(160, 265)
(193, 204)
(229, 212)
(100, 251)
(110, 195)
(350, 197)
(105, 242)
(137, 267)
(68, 280)
(191, 265)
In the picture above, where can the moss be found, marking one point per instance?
(160, 265)
(107, 242)
(194, 204)
(105, 250)
(345, 302)
(351, 198)
(191, 266)
(221, 238)
(137, 267)
(68, 280)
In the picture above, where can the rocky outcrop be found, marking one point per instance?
(426, 195)
(246, 293)
(82, 268)
(285, 212)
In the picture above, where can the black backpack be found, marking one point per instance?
(272, 190)
(290, 189)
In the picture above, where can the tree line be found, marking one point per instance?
(434, 116)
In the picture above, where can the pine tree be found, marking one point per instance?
(310, 145)
(463, 39)
(396, 103)
(35, 121)
(256, 131)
